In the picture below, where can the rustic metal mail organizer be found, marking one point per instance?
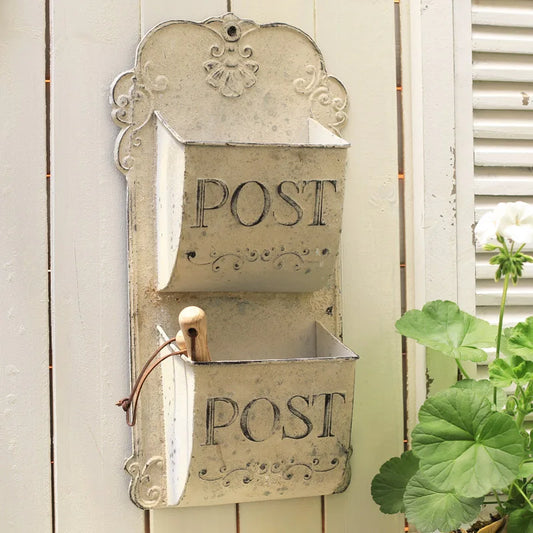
(234, 163)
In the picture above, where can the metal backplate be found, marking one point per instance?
(223, 83)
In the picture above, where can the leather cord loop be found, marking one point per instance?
(129, 404)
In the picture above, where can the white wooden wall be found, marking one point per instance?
(91, 43)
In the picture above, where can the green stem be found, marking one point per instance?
(500, 319)
(520, 418)
(526, 404)
(461, 369)
(500, 324)
(497, 498)
(523, 494)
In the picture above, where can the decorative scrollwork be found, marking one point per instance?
(144, 490)
(133, 98)
(279, 258)
(290, 470)
(318, 86)
(231, 70)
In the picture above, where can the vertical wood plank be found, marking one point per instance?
(25, 490)
(464, 156)
(413, 126)
(156, 11)
(212, 519)
(91, 44)
(349, 33)
(439, 222)
(299, 13)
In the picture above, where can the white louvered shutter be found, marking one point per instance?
(502, 65)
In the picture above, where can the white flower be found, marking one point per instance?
(514, 221)
(511, 220)
(486, 228)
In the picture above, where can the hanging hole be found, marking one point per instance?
(192, 332)
(231, 31)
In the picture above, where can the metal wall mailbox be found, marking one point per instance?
(248, 216)
(230, 144)
(284, 432)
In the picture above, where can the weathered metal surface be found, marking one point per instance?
(257, 430)
(248, 216)
(250, 169)
(246, 109)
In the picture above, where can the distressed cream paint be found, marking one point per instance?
(235, 175)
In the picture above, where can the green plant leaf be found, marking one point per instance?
(389, 485)
(526, 470)
(504, 372)
(441, 325)
(519, 340)
(464, 446)
(430, 508)
(520, 521)
(485, 388)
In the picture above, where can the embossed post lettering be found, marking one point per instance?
(246, 188)
(245, 420)
(210, 417)
(235, 198)
(255, 422)
(319, 199)
(201, 208)
(301, 416)
(328, 411)
(292, 202)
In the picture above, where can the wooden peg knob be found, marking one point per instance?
(193, 324)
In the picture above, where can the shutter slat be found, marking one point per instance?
(501, 95)
(484, 203)
(498, 124)
(517, 13)
(502, 67)
(489, 293)
(489, 152)
(503, 181)
(512, 316)
(502, 39)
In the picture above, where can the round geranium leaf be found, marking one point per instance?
(520, 339)
(514, 369)
(520, 521)
(431, 508)
(485, 388)
(389, 485)
(464, 446)
(441, 325)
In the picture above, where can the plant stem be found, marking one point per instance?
(526, 405)
(497, 497)
(520, 418)
(500, 319)
(523, 494)
(461, 369)
(500, 324)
